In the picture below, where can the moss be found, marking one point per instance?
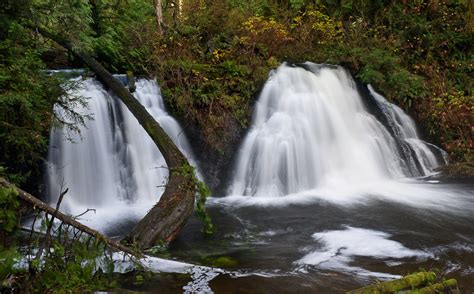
(441, 287)
(408, 282)
(417, 283)
(192, 183)
(222, 261)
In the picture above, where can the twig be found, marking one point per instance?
(50, 225)
(31, 234)
(31, 231)
(89, 209)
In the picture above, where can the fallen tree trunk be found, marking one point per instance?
(28, 202)
(164, 221)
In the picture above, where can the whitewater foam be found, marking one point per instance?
(339, 247)
(414, 193)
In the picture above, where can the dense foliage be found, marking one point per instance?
(26, 100)
(27, 96)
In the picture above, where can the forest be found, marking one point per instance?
(252, 145)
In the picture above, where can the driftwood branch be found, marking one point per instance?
(28, 200)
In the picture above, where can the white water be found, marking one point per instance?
(339, 247)
(313, 137)
(417, 152)
(115, 167)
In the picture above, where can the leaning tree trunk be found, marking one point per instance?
(164, 221)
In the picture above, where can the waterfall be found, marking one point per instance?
(112, 165)
(312, 129)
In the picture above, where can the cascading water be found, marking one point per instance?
(112, 166)
(418, 155)
(311, 129)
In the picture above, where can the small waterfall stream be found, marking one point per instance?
(311, 129)
(112, 166)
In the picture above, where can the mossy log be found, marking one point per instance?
(448, 286)
(29, 202)
(408, 282)
(164, 221)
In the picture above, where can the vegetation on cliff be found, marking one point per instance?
(213, 60)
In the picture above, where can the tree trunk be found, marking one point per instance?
(164, 221)
(159, 15)
(434, 5)
(470, 22)
(180, 8)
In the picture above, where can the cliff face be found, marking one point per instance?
(216, 161)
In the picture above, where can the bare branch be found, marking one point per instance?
(89, 209)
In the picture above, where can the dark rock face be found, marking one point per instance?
(215, 161)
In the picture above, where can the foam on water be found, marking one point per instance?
(430, 196)
(337, 249)
(201, 276)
